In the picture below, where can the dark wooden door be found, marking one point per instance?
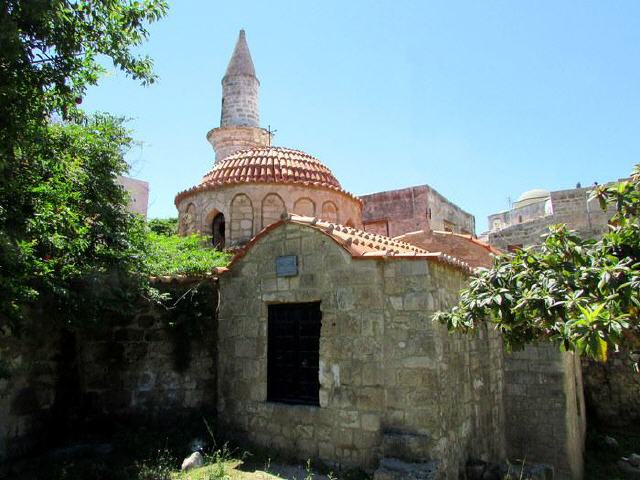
(293, 354)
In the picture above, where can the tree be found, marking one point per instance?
(581, 294)
(62, 215)
(49, 56)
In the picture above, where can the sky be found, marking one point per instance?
(480, 100)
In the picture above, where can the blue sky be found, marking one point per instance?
(480, 100)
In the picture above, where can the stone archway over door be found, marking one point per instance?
(218, 231)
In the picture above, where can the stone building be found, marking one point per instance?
(326, 347)
(138, 191)
(338, 359)
(396, 212)
(535, 210)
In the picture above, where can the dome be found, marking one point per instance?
(269, 165)
(535, 194)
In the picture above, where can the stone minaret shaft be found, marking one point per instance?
(240, 89)
(240, 118)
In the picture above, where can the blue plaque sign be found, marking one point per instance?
(287, 266)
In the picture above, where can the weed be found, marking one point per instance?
(307, 469)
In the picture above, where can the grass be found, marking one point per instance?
(146, 451)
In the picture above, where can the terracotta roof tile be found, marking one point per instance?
(269, 165)
(358, 243)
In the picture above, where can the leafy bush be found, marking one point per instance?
(174, 255)
(163, 226)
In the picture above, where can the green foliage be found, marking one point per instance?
(49, 56)
(581, 294)
(64, 234)
(174, 255)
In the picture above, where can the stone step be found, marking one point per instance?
(395, 469)
(406, 446)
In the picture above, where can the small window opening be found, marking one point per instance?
(519, 218)
(217, 229)
(293, 357)
(429, 213)
(448, 226)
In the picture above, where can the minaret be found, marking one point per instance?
(240, 118)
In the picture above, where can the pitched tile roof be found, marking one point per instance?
(360, 244)
(269, 165)
(463, 246)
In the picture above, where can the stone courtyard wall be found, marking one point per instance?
(545, 409)
(392, 383)
(54, 379)
(30, 367)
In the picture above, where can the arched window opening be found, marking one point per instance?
(217, 231)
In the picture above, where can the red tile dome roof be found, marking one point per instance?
(269, 165)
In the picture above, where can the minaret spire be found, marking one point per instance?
(240, 114)
(241, 62)
(240, 89)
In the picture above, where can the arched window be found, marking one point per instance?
(305, 206)
(272, 209)
(217, 231)
(241, 219)
(188, 220)
(330, 212)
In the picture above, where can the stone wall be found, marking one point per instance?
(153, 361)
(53, 379)
(397, 212)
(392, 383)
(30, 372)
(545, 411)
